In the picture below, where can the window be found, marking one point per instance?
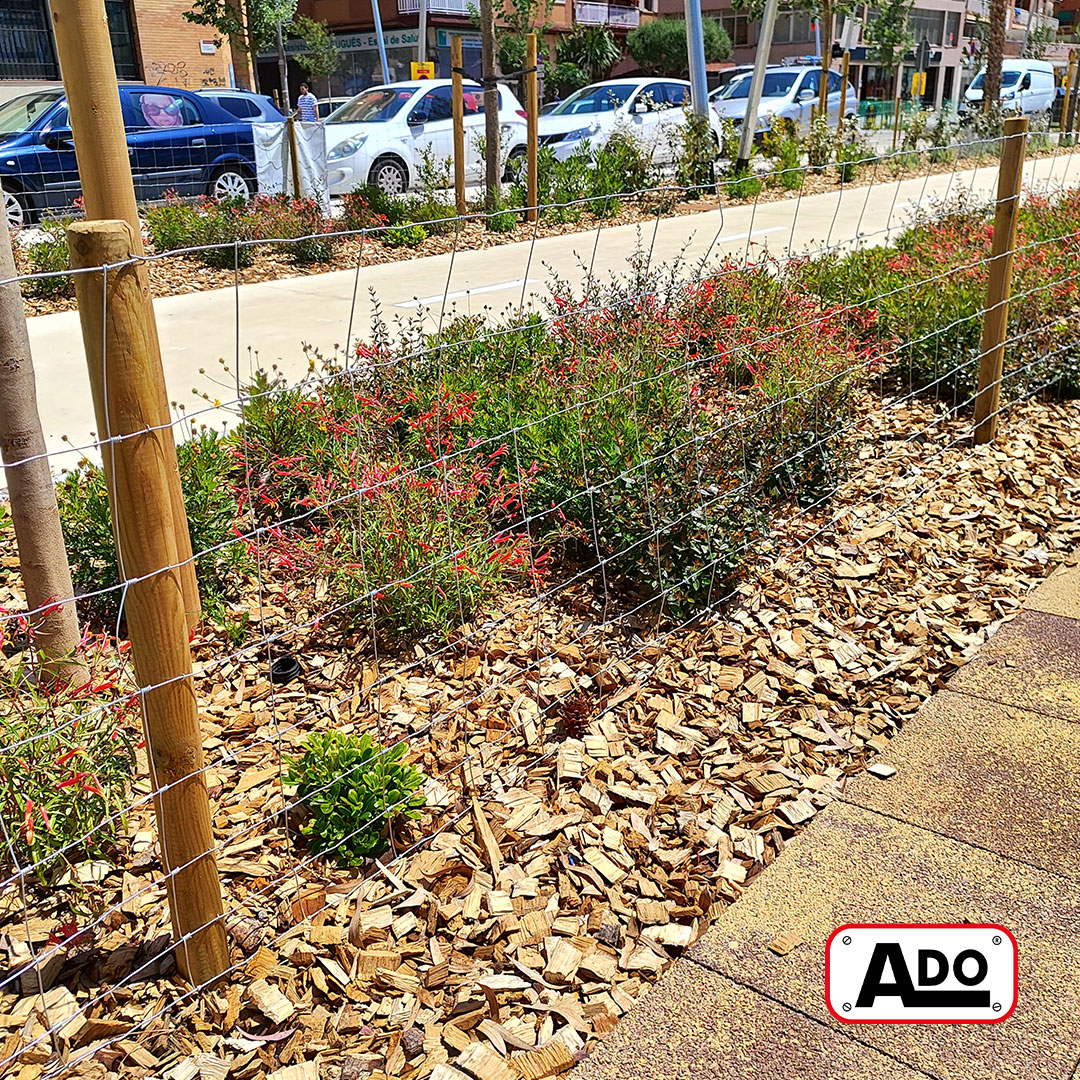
(161, 110)
(737, 27)
(676, 95)
(437, 104)
(654, 97)
(373, 106)
(26, 48)
(952, 29)
(792, 27)
(926, 24)
(835, 82)
(241, 108)
(118, 14)
(777, 84)
(593, 99)
(811, 81)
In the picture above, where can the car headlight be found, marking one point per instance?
(347, 148)
(578, 133)
(1010, 95)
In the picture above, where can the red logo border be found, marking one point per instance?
(926, 926)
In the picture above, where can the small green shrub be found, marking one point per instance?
(819, 143)
(696, 162)
(502, 220)
(433, 214)
(357, 210)
(404, 236)
(784, 147)
(742, 185)
(49, 255)
(206, 463)
(171, 225)
(353, 788)
(67, 760)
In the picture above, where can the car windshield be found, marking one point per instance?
(777, 84)
(1008, 78)
(593, 99)
(19, 113)
(373, 106)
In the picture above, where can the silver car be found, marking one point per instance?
(789, 93)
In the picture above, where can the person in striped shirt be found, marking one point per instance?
(305, 105)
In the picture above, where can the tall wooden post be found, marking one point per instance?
(1074, 101)
(493, 163)
(826, 59)
(121, 354)
(844, 70)
(101, 150)
(1069, 76)
(532, 107)
(458, 101)
(897, 107)
(294, 157)
(999, 285)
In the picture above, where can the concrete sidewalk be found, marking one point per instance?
(979, 824)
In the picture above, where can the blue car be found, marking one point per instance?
(177, 141)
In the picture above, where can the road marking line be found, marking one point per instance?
(756, 232)
(422, 301)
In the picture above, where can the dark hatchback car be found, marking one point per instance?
(177, 141)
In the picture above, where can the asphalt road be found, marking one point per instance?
(273, 320)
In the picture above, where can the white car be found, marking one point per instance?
(1027, 87)
(652, 109)
(379, 137)
(788, 92)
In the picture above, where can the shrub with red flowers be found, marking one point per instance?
(929, 291)
(396, 522)
(67, 758)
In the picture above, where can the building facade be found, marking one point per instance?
(151, 42)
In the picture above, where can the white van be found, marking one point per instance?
(1027, 87)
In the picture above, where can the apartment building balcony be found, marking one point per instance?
(617, 16)
(435, 7)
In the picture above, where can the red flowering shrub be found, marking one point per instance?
(67, 758)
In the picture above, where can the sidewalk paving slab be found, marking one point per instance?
(1059, 594)
(990, 775)
(697, 1025)
(855, 866)
(1032, 662)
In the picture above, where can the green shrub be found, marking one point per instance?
(819, 144)
(171, 225)
(404, 236)
(695, 164)
(67, 762)
(784, 147)
(742, 185)
(353, 789)
(501, 220)
(206, 463)
(433, 214)
(368, 205)
(48, 255)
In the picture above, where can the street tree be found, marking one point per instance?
(659, 47)
(321, 55)
(889, 34)
(250, 25)
(995, 53)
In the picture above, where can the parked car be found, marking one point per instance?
(651, 109)
(177, 141)
(325, 106)
(244, 104)
(1027, 87)
(379, 137)
(788, 92)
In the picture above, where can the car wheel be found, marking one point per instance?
(16, 209)
(229, 182)
(389, 176)
(517, 154)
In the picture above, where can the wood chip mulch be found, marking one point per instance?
(597, 796)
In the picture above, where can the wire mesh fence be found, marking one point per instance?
(537, 614)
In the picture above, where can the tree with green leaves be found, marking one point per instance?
(250, 25)
(889, 33)
(321, 56)
(585, 55)
(659, 46)
(515, 20)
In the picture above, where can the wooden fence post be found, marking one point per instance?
(294, 157)
(1069, 76)
(458, 98)
(532, 107)
(121, 353)
(845, 70)
(101, 151)
(999, 285)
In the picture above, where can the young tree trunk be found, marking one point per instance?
(995, 51)
(40, 541)
(491, 103)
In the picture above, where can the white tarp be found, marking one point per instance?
(273, 160)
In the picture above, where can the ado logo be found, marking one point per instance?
(903, 973)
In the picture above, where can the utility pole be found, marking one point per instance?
(695, 52)
(757, 83)
(491, 103)
(421, 24)
(377, 15)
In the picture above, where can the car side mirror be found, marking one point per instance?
(58, 139)
(417, 117)
(641, 107)
(807, 93)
